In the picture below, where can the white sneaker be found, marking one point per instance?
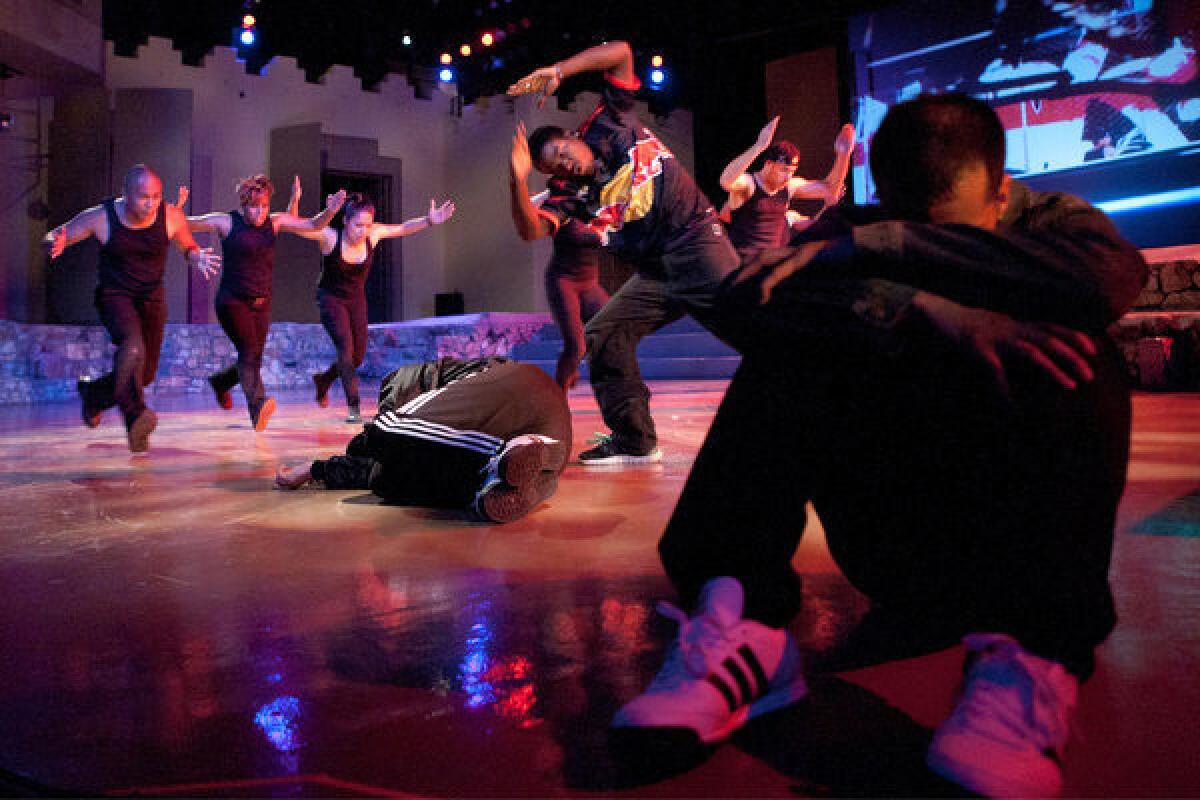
(1006, 735)
(721, 671)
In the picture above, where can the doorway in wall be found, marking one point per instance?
(377, 189)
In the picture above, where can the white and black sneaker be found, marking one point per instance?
(1006, 735)
(722, 671)
(607, 453)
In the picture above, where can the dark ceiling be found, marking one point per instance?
(715, 51)
(368, 35)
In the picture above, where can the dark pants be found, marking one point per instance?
(345, 320)
(644, 304)
(574, 299)
(136, 324)
(246, 323)
(940, 500)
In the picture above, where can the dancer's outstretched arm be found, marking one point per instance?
(289, 222)
(530, 220)
(205, 259)
(436, 216)
(734, 178)
(614, 59)
(832, 186)
(85, 224)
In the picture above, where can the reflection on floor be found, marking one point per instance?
(172, 626)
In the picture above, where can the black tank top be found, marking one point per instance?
(133, 260)
(342, 279)
(248, 258)
(761, 221)
(576, 250)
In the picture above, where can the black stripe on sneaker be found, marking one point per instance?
(739, 675)
(755, 665)
(725, 691)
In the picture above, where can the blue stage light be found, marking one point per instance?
(446, 75)
(247, 38)
(657, 77)
(1159, 200)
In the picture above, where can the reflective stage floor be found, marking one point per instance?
(171, 625)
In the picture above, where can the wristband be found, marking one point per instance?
(558, 72)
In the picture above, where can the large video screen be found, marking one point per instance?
(1098, 98)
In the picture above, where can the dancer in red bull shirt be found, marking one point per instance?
(639, 200)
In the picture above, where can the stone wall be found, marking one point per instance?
(42, 362)
(1160, 337)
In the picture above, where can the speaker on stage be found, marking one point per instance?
(447, 304)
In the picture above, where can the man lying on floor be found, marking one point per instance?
(487, 434)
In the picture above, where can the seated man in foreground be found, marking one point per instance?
(950, 404)
(487, 434)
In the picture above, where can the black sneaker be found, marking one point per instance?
(263, 414)
(224, 398)
(607, 453)
(353, 415)
(140, 430)
(322, 385)
(91, 416)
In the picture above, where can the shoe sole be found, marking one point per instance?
(224, 399)
(968, 770)
(509, 503)
(653, 457)
(525, 462)
(322, 396)
(264, 414)
(91, 417)
(140, 430)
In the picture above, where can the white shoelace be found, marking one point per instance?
(699, 639)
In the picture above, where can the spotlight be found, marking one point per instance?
(487, 39)
(7, 122)
(657, 77)
(446, 75)
(247, 38)
(407, 40)
(447, 58)
(465, 50)
(656, 61)
(248, 21)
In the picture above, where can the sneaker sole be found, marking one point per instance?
(264, 415)
(980, 775)
(224, 399)
(322, 396)
(139, 432)
(91, 417)
(525, 462)
(653, 457)
(509, 503)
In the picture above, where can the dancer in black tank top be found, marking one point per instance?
(134, 231)
(757, 210)
(243, 301)
(573, 287)
(341, 292)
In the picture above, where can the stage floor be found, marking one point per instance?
(173, 626)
